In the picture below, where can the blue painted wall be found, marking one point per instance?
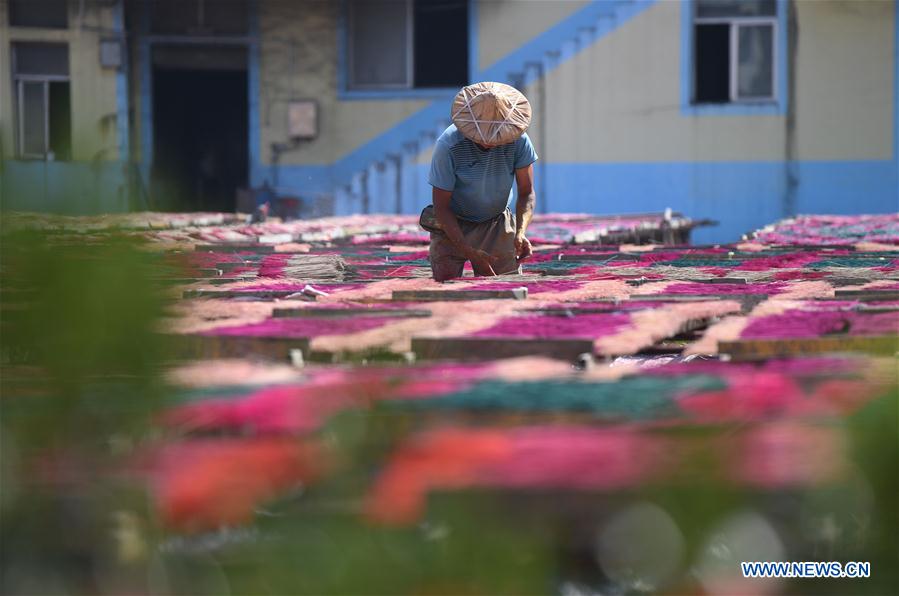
(741, 196)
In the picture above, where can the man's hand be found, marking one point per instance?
(482, 262)
(522, 247)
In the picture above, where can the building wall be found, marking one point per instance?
(614, 133)
(298, 59)
(505, 25)
(611, 125)
(618, 139)
(94, 179)
(619, 100)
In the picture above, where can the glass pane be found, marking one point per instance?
(32, 116)
(378, 43)
(735, 8)
(711, 64)
(38, 13)
(60, 107)
(41, 59)
(755, 61)
(441, 24)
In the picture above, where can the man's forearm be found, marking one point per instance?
(450, 226)
(524, 211)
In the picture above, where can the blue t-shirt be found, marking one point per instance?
(480, 180)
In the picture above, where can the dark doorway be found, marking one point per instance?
(200, 134)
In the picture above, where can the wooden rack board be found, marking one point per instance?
(458, 295)
(747, 301)
(872, 295)
(232, 346)
(763, 349)
(259, 294)
(228, 267)
(257, 248)
(712, 280)
(485, 348)
(348, 312)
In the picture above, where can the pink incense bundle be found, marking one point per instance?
(586, 326)
(231, 371)
(285, 285)
(699, 289)
(819, 323)
(409, 237)
(206, 260)
(448, 319)
(204, 485)
(785, 261)
(885, 284)
(539, 458)
(732, 328)
(534, 287)
(299, 327)
(272, 266)
(761, 394)
(593, 290)
(397, 271)
(412, 254)
(383, 290)
(798, 274)
(296, 405)
(727, 329)
(836, 230)
(812, 367)
(300, 408)
(649, 326)
(788, 454)
(192, 316)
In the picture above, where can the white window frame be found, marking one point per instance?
(410, 53)
(735, 23)
(19, 84)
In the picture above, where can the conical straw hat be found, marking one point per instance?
(491, 113)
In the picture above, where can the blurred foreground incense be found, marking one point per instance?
(618, 419)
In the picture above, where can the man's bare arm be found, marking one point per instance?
(481, 262)
(524, 209)
(441, 200)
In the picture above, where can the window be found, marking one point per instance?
(52, 14)
(734, 51)
(407, 44)
(43, 101)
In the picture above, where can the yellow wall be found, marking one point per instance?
(6, 93)
(93, 88)
(846, 79)
(619, 100)
(298, 60)
(505, 25)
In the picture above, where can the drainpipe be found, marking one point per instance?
(791, 166)
(539, 84)
(123, 115)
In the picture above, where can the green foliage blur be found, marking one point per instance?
(79, 383)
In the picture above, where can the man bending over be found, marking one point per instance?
(475, 161)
